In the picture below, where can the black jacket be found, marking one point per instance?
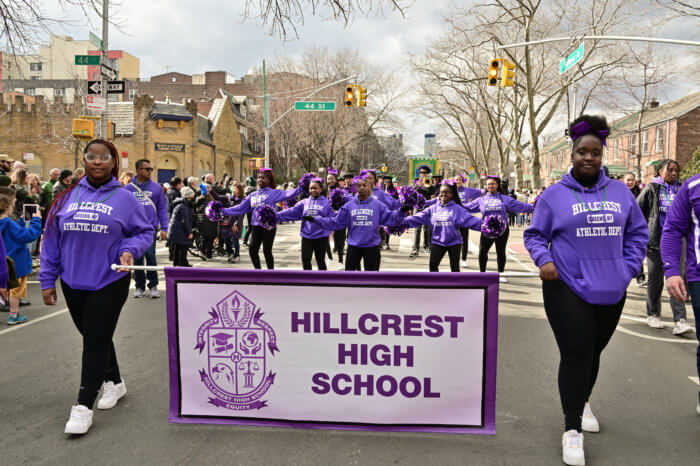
(180, 226)
(170, 196)
(204, 225)
(648, 201)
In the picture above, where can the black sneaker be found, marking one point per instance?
(413, 254)
(24, 302)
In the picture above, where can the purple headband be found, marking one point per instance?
(265, 169)
(582, 128)
(331, 171)
(316, 179)
(448, 182)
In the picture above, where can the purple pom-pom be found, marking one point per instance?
(493, 226)
(408, 196)
(265, 216)
(213, 211)
(305, 181)
(420, 202)
(397, 230)
(336, 198)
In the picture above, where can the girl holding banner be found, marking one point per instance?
(363, 216)
(494, 208)
(266, 194)
(90, 226)
(588, 237)
(314, 238)
(446, 218)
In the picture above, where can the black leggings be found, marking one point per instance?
(355, 255)
(267, 238)
(180, 254)
(437, 252)
(485, 245)
(339, 240)
(95, 314)
(311, 247)
(582, 331)
(465, 242)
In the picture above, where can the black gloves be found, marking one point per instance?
(308, 218)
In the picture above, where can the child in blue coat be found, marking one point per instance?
(16, 237)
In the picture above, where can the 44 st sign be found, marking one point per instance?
(113, 87)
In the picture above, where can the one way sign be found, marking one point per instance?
(113, 87)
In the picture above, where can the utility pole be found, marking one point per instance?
(103, 61)
(266, 117)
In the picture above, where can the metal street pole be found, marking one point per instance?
(624, 38)
(266, 117)
(103, 60)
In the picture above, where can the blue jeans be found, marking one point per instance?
(236, 247)
(694, 290)
(140, 275)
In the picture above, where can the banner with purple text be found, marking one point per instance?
(385, 351)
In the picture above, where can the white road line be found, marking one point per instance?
(695, 379)
(33, 321)
(649, 337)
(637, 319)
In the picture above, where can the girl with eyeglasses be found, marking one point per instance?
(91, 225)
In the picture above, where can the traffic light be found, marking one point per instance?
(349, 95)
(493, 72)
(83, 129)
(362, 96)
(256, 163)
(508, 74)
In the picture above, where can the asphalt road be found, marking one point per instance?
(644, 399)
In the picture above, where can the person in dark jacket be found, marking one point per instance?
(180, 228)
(631, 181)
(208, 229)
(655, 200)
(172, 194)
(64, 180)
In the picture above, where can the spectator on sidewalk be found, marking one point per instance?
(126, 178)
(180, 229)
(64, 180)
(47, 187)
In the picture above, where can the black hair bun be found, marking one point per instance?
(596, 122)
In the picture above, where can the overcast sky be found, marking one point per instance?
(205, 35)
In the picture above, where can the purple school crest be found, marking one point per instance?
(237, 342)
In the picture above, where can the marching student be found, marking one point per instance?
(446, 218)
(339, 236)
(682, 222)
(655, 200)
(466, 195)
(495, 203)
(267, 193)
(92, 225)
(314, 238)
(588, 237)
(425, 186)
(363, 215)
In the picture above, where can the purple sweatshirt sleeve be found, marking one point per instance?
(50, 261)
(341, 220)
(138, 234)
(539, 235)
(3, 265)
(430, 202)
(635, 239)
(240, 209)
(282, 196)
(420, 218)
(467, 220)
(390, 218)
(676, 227)
(473, 206)
(295, 213)
(162, 208)
(516, 206)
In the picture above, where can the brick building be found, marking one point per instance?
(667, 131)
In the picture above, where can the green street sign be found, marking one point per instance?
(572, 59)
(96, 41)
(87, 59)
(315, 106)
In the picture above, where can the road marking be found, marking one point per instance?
(33, 321)
(649, 337)
(695, 379)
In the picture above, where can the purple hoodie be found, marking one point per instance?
(497, 204)
(596, 237)
(319, 207)
(267, 196)
(386, 199)
(468, 194)
(682, 222)
(363, 219)
(156, 209)
(445, 220)
(92, 229)
(667, 193)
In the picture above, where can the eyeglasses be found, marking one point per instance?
(103, 157)
(148, 169)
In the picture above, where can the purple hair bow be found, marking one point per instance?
(264, 169)
(582, 128)
(331, 171)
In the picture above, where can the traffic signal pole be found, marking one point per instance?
(103, 60)
(622, 38)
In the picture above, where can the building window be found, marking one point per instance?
(645, 142)
(659, 139)
(244, 132)
(30, 91)
(60, 91)
(633, 144)
(132, 93)
(35, 78)
(243, 111)
(35, 66)
(113, 97)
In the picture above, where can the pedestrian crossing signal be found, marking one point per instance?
(493, 72)
(349, 96)
(257, 163)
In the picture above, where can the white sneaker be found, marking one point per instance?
(111, 393)
(154, 293)
(503, 279)
(341, 267)
(654, 322)
(464, 265)
(682, 327)
(589, 423)
(80, 420)
(572, 448)
(138, 293)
